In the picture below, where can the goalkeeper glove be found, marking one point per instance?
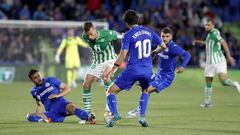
(57, 58)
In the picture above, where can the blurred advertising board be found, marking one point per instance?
(7, 74)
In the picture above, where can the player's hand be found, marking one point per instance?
(57, 58)
(53, 96)
(180, 70)
(231, 61)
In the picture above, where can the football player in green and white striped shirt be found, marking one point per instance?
(104, 57)
(215, 61)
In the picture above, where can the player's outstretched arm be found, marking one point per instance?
(114, 35)
(159, 49)
(198, 42)
(39, 107)
(59, 50)
(81, 42)
(65, 89)
(186, 58)
(119, 35)
(227, 51)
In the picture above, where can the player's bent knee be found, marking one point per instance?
(105, 79)
(114, 89)
(34, 118)
(110, 91)
(86, 85)
(145, 91)
(70, 108)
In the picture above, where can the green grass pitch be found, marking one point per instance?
(175, 111)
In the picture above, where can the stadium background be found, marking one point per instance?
(20, 47)
(173, 112)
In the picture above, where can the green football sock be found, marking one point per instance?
(208, 92)
(107, 86)
(228, 82)
(87, 98)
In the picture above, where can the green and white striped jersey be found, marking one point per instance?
(214, 53)
(102, 48)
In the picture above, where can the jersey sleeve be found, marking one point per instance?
(125, 43)
(61, 47)
(85, 38)
(186, 58)
(81, 43)
(112, 35)
(34, 94)
(55, 81)
(177, 50)
(216, 35)
(157, 40)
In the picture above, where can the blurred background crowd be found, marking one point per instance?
(185, 17)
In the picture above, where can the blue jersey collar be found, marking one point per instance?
(136, 26)
(170, 43)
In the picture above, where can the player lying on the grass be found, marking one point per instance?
(49, 92)
(164, 76)
(215, 61)
(137, 43)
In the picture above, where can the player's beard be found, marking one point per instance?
(39, 83)
(166, 42)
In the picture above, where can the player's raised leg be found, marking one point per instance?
(228, 82)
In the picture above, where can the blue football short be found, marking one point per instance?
(161, 81)
(57, 111)
(127, 78)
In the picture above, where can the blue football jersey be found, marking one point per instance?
(139, 41)
(167, 58)
(51, 85)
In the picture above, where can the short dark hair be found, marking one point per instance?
(31, 72)
(87, 26)
(130, 17)
(167, 30)
(210, 20)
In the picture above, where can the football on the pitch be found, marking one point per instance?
(107, 116)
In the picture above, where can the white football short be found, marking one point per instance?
(212, 69)
(98, 69)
